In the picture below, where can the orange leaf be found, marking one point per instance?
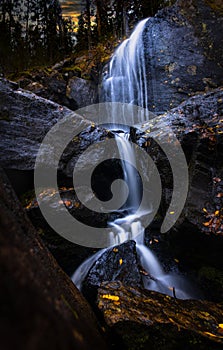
(206, 223)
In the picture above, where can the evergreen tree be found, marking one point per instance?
(32, 32)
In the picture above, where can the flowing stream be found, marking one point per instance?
(126, 82)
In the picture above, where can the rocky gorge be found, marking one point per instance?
(185, 69)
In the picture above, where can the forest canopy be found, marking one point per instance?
(35, 32)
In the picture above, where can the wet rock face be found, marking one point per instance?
(197, 237)
(197, 123)
(82, 92)
(183, 54)
(149, 320)
(26, 118)
(119, 263)
(116, 264)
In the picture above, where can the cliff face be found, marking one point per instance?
(184, 54)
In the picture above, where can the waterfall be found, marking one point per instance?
(126, 78)
(126, 82)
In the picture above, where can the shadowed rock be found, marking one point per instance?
(40, 306)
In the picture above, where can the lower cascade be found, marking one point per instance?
(126, 82)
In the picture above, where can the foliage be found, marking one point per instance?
(100, 20)
(33, 32)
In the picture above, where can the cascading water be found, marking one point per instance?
(126, 82)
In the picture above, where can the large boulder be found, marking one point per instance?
(183, 52)
(40, 306)
(62, 83)
(26, 118)
(82, 92)
(197, 124)
(197, 237)
(142, 319)
(119, 263)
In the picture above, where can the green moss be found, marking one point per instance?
(211, 274)
(30, 73)
(216, 5)
(74, 69)
(133, 336)
(48, 70)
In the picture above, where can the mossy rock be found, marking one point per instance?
(72, 69)
(143, 319)
(212, 274)
(211, 279)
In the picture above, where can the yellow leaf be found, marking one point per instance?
(213, 335)
(120, 261)
(172, 212)
(220, 325)
(206, 223)
(110, 297)
(115, 250)
(176, 260)
(206, 314)
(205, 210)
(216, 213)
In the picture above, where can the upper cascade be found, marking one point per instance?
(126, 80)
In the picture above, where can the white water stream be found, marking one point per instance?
(126, 82)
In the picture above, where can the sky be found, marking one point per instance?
(71, 8)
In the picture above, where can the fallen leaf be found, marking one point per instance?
(110, 297)
(68, 203)
(213, 335)
(206, 223)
